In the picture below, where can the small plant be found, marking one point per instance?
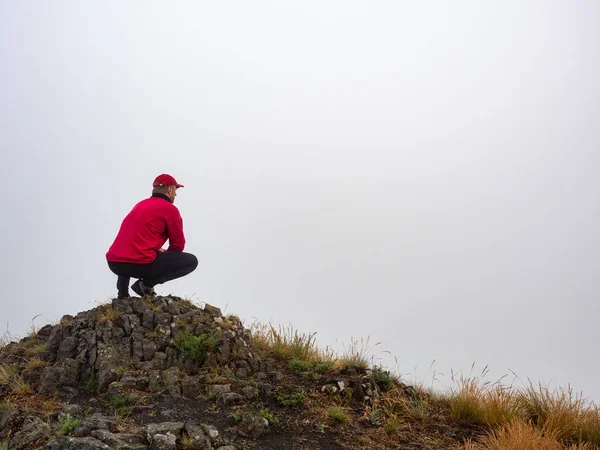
(392, 424)
(50, 406)
(465, 399)
(268, 416)
(20, 387)
(35, 364)
(418, 409)
(322, 427)
(35, 349)
(294, 399)
(108, 313)
(264, 413)
(153, 304)
(124, 411)
(358, 353)
(337, 413)
(90, 385)
(67, 424)
(375, 417)
(382, 378)
(118, 400)
(6, 373)
(5, 405)
(189, 443)
(195, 347)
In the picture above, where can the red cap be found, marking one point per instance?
(165, 180)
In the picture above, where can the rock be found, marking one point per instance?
(411, 393)
(196, 433)
(229, 398)
(278, 377)
(250, 392)
(76, 443)
(211, 431)
(121, 441)
(63, 373)
(227, 447)
(254, 425)
(216, 389)
(265, 388)
(68, 392)
(212, 310)
(190, 387)
(164, 428)
(174, 391)
(95, 422)
(72, 409)
(8, 417)
(172, 375)
(164, 442)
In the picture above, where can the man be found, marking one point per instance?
(137, 250)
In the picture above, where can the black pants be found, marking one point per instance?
(167, 266)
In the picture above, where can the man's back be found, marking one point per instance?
(145, 229)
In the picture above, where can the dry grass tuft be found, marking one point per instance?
(568, 415)
(6, 373)
(35, 364)
(287, 343)
(520, 435)
(20, 387)
(108, 313)
(358, 354)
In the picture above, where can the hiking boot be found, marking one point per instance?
(141, 290)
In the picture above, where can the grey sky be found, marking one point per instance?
(424, 173)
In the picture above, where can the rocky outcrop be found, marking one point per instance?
(154, 373)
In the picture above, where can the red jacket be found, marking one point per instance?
(145, 229)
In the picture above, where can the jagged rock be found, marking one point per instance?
(229, 398)
(212, 310)
(227, 447)
(63, 373)
(121, 441)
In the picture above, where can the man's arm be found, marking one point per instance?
(175, 231)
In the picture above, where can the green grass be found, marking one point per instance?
(67, 423)
(318, 366)
(90, 385)
(383, 378)
(118, 400)
(195, 347)
(295, 399)
(337, 414)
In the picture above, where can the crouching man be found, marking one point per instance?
(137, 250)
